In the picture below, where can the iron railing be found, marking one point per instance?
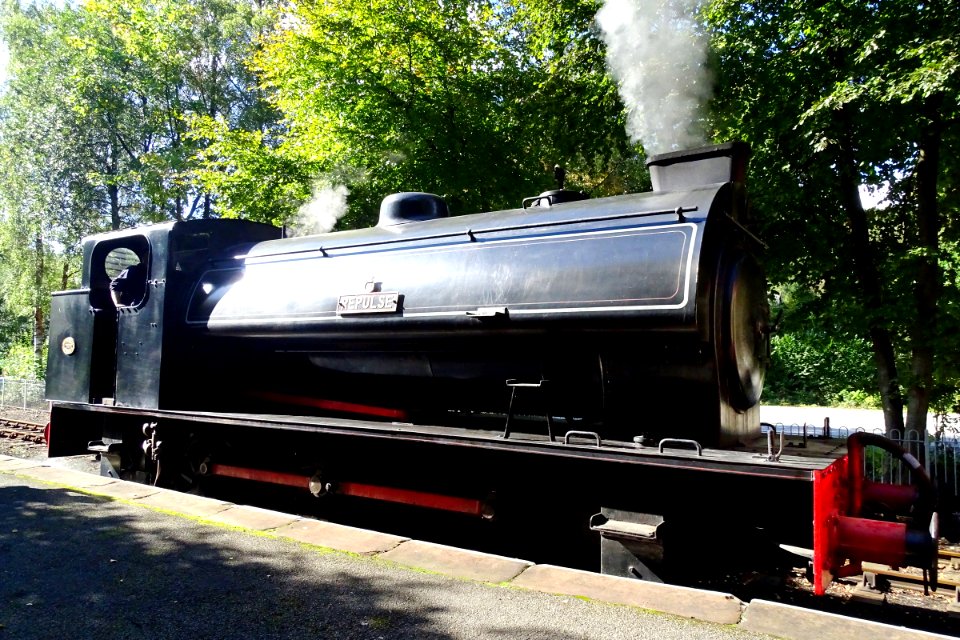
(940, 455)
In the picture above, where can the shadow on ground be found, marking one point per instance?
(77, 566)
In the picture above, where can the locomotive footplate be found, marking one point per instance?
(70, 435)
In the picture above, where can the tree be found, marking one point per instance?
(240, 157)
(815, 356)
(250, 173)
(833, 95)
(574, 113)
(94, 121)
(402, 96)
(474, 100)
(45, 195)
(148, 70)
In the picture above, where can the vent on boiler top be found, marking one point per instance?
(401, 208)
(697, 167)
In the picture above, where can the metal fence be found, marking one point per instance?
(22, 394)
(940, 456)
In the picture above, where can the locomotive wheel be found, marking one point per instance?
(745, 332)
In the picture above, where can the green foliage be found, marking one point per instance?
(154, 66)
(575, 113)
(22, 362)
(14, 327)
(408, 95)
(473, 100)
(94, 126)
(251, 178)
(116, 83)
(810, 368)
(165, 116)
(814, 360)
(832, 95)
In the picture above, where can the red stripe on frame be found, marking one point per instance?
(424, 499)
(334, 405)
(415, 498)
(259, 475)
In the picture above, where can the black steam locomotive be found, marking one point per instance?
(433, 359)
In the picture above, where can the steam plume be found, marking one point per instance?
(320, 214)
(657, 55)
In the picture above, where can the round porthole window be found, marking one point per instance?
(120, 259)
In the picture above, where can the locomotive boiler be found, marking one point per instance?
(408, 361)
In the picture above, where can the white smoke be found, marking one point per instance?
(658, 57)
(320, 214)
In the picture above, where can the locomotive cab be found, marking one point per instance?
(108, 338)
(88, 324)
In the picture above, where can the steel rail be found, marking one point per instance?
(22, 430)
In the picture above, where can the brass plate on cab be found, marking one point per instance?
(360, 303)
(68, 346)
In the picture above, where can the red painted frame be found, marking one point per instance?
(830, 501)
(842, 538)
(456, 504)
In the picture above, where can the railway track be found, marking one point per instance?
(21, 430)
(948, 576)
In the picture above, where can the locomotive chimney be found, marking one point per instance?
(697, 167)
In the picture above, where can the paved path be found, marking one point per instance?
(78, 566)
(149, 563)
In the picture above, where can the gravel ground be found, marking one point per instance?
(20, 448)
(38, 451)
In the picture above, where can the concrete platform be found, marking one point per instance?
(340, 537)
(709, 606)
(459, 563)
(246, 517)
(802, 624)
(490, 596)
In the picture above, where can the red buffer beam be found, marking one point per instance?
(857, 521)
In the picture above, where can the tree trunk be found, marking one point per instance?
(114, 193)
(212, 112)
(868, 279)
(39, 328)
(927, 291)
